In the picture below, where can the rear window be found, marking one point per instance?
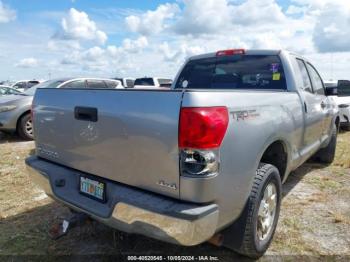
(234, 72)
(144, 82)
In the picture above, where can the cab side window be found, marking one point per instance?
(96, 84)
(305, 76)
(316, 80)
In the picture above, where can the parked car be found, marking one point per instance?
(6, 90)
(152, 82)
(24, 84)
(92, 83)
(127, 82)
(343, 101)
(15, 109)
(203, 160)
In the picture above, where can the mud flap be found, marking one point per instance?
(233, 235)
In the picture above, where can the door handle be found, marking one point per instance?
(85, 113)
(323, 105)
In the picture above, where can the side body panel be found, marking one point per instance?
(253, 126)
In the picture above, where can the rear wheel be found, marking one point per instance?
(25, 127)
(263, 211)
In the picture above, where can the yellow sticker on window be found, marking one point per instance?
(276, 76)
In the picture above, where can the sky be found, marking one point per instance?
(42, 39)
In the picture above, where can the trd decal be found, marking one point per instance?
(244, 114)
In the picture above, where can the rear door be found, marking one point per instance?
(320, 98)
(312, 107)
(126, 135)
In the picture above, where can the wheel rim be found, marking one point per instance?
(28, 128)
(267, 212)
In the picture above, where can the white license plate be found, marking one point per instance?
(92, 188)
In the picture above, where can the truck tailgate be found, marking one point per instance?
(133, 140)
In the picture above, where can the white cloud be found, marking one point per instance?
(78, 26)
(27, 63)
(6, 13)
(332, 30)
(133, 46)
(252, 12)
(294, 10)
(178, 55)
(199, 18)
(151, 22)
(63, 45)
(105, 59)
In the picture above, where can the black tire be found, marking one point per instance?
(326, 155)
(22, 128)
(346, 127)
(252, 246)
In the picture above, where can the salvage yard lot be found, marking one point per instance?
(315, 215)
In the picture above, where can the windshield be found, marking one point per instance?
(46, 84)
(234, 72)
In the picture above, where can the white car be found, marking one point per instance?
(127, 82)
(153, 82)
(91, 83)
(343, 101)
(24, 84)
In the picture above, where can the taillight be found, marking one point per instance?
(202, 127)
(201, 132)
(230, 52)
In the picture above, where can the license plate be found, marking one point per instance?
(92, 188)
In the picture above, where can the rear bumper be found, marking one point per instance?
(129, 209)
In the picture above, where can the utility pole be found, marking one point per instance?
(332, 65)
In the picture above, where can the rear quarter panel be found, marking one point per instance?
(257, 119)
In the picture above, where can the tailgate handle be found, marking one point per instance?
(85, 113)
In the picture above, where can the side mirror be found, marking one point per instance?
(331, 91)
(343, 88)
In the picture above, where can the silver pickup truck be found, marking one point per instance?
(201, 161)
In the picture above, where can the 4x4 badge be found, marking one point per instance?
(164, 184)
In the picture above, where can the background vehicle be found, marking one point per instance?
(24, 84)
(91, 83)
(15, 109)
(343, 101)
(152, 82)
(127, 82)
(6, 90)
(206, 158)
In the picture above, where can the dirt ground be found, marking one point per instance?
(314, 221)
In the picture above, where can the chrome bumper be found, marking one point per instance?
(170, 221)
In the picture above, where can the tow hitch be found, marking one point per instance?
(60, 229)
